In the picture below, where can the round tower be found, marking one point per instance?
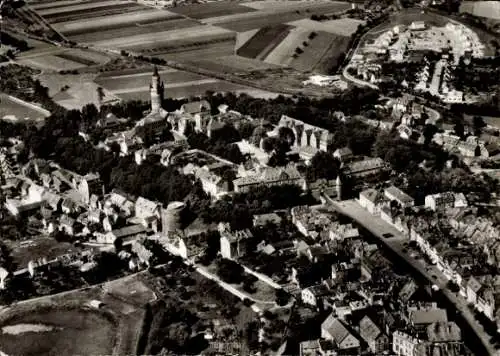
(156, 91)
(171, 217)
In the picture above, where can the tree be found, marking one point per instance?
(286, 134)
(429, 132)
(230, 271)
(459, 129)
(323, 165)
(478, 124)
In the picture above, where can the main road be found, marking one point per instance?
(378, 228)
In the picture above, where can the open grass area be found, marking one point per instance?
(488, 9)
(16, 110)
(51, 62)
(74, 332)
(214, 9)
(234, 64)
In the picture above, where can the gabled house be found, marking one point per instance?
(233, 244)
(377, 341)
(313, 295)
(372, 200)
(333, 329)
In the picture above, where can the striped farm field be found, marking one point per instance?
(213, 9)
(264, 41)
(83, 11)
(41, 5)
(129, 30)
(191, 54)
(167, 39)
(268, 17)
(83, 25)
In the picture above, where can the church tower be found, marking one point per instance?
(156, 89)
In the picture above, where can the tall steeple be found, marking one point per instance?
(156, 90)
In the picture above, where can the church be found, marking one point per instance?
(157, 119)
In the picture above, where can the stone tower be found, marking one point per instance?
(156, 90)
(338, 187)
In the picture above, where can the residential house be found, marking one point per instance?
(233, 244)
(67, 225)
(421, 317)
(472, 288)
(372, 200)
(395, 194)
(270, 176)
(344, 154)
(377, 341)
(404, 344)
(445, 200)
(314, 295)
(333, 329)
(142, 252)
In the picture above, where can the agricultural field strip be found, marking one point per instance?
(112, 20)
(144, 80)
(95, 34)
(213, 9)
(77, 7)
(192, 54)
(167, 86)
(488, 9)
(291, 5)
(320, 52)
(56, 4)
(314, 8)
(165, 71)
(258, 43)
(163, 36)
(282, 53)
(342, 27)
(244, 37)
(272, 44)
(94, 12)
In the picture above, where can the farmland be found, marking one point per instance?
(215, 9)
(488, 9)
(178, 84)
(264, 41)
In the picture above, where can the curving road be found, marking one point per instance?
(378, 228)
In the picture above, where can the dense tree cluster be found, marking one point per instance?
(239, 209)
(222, 144)
(323, 166)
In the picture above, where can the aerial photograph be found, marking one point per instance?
(250, 177)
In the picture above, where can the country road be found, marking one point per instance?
(378, 228)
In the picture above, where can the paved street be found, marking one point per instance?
(378, 228)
